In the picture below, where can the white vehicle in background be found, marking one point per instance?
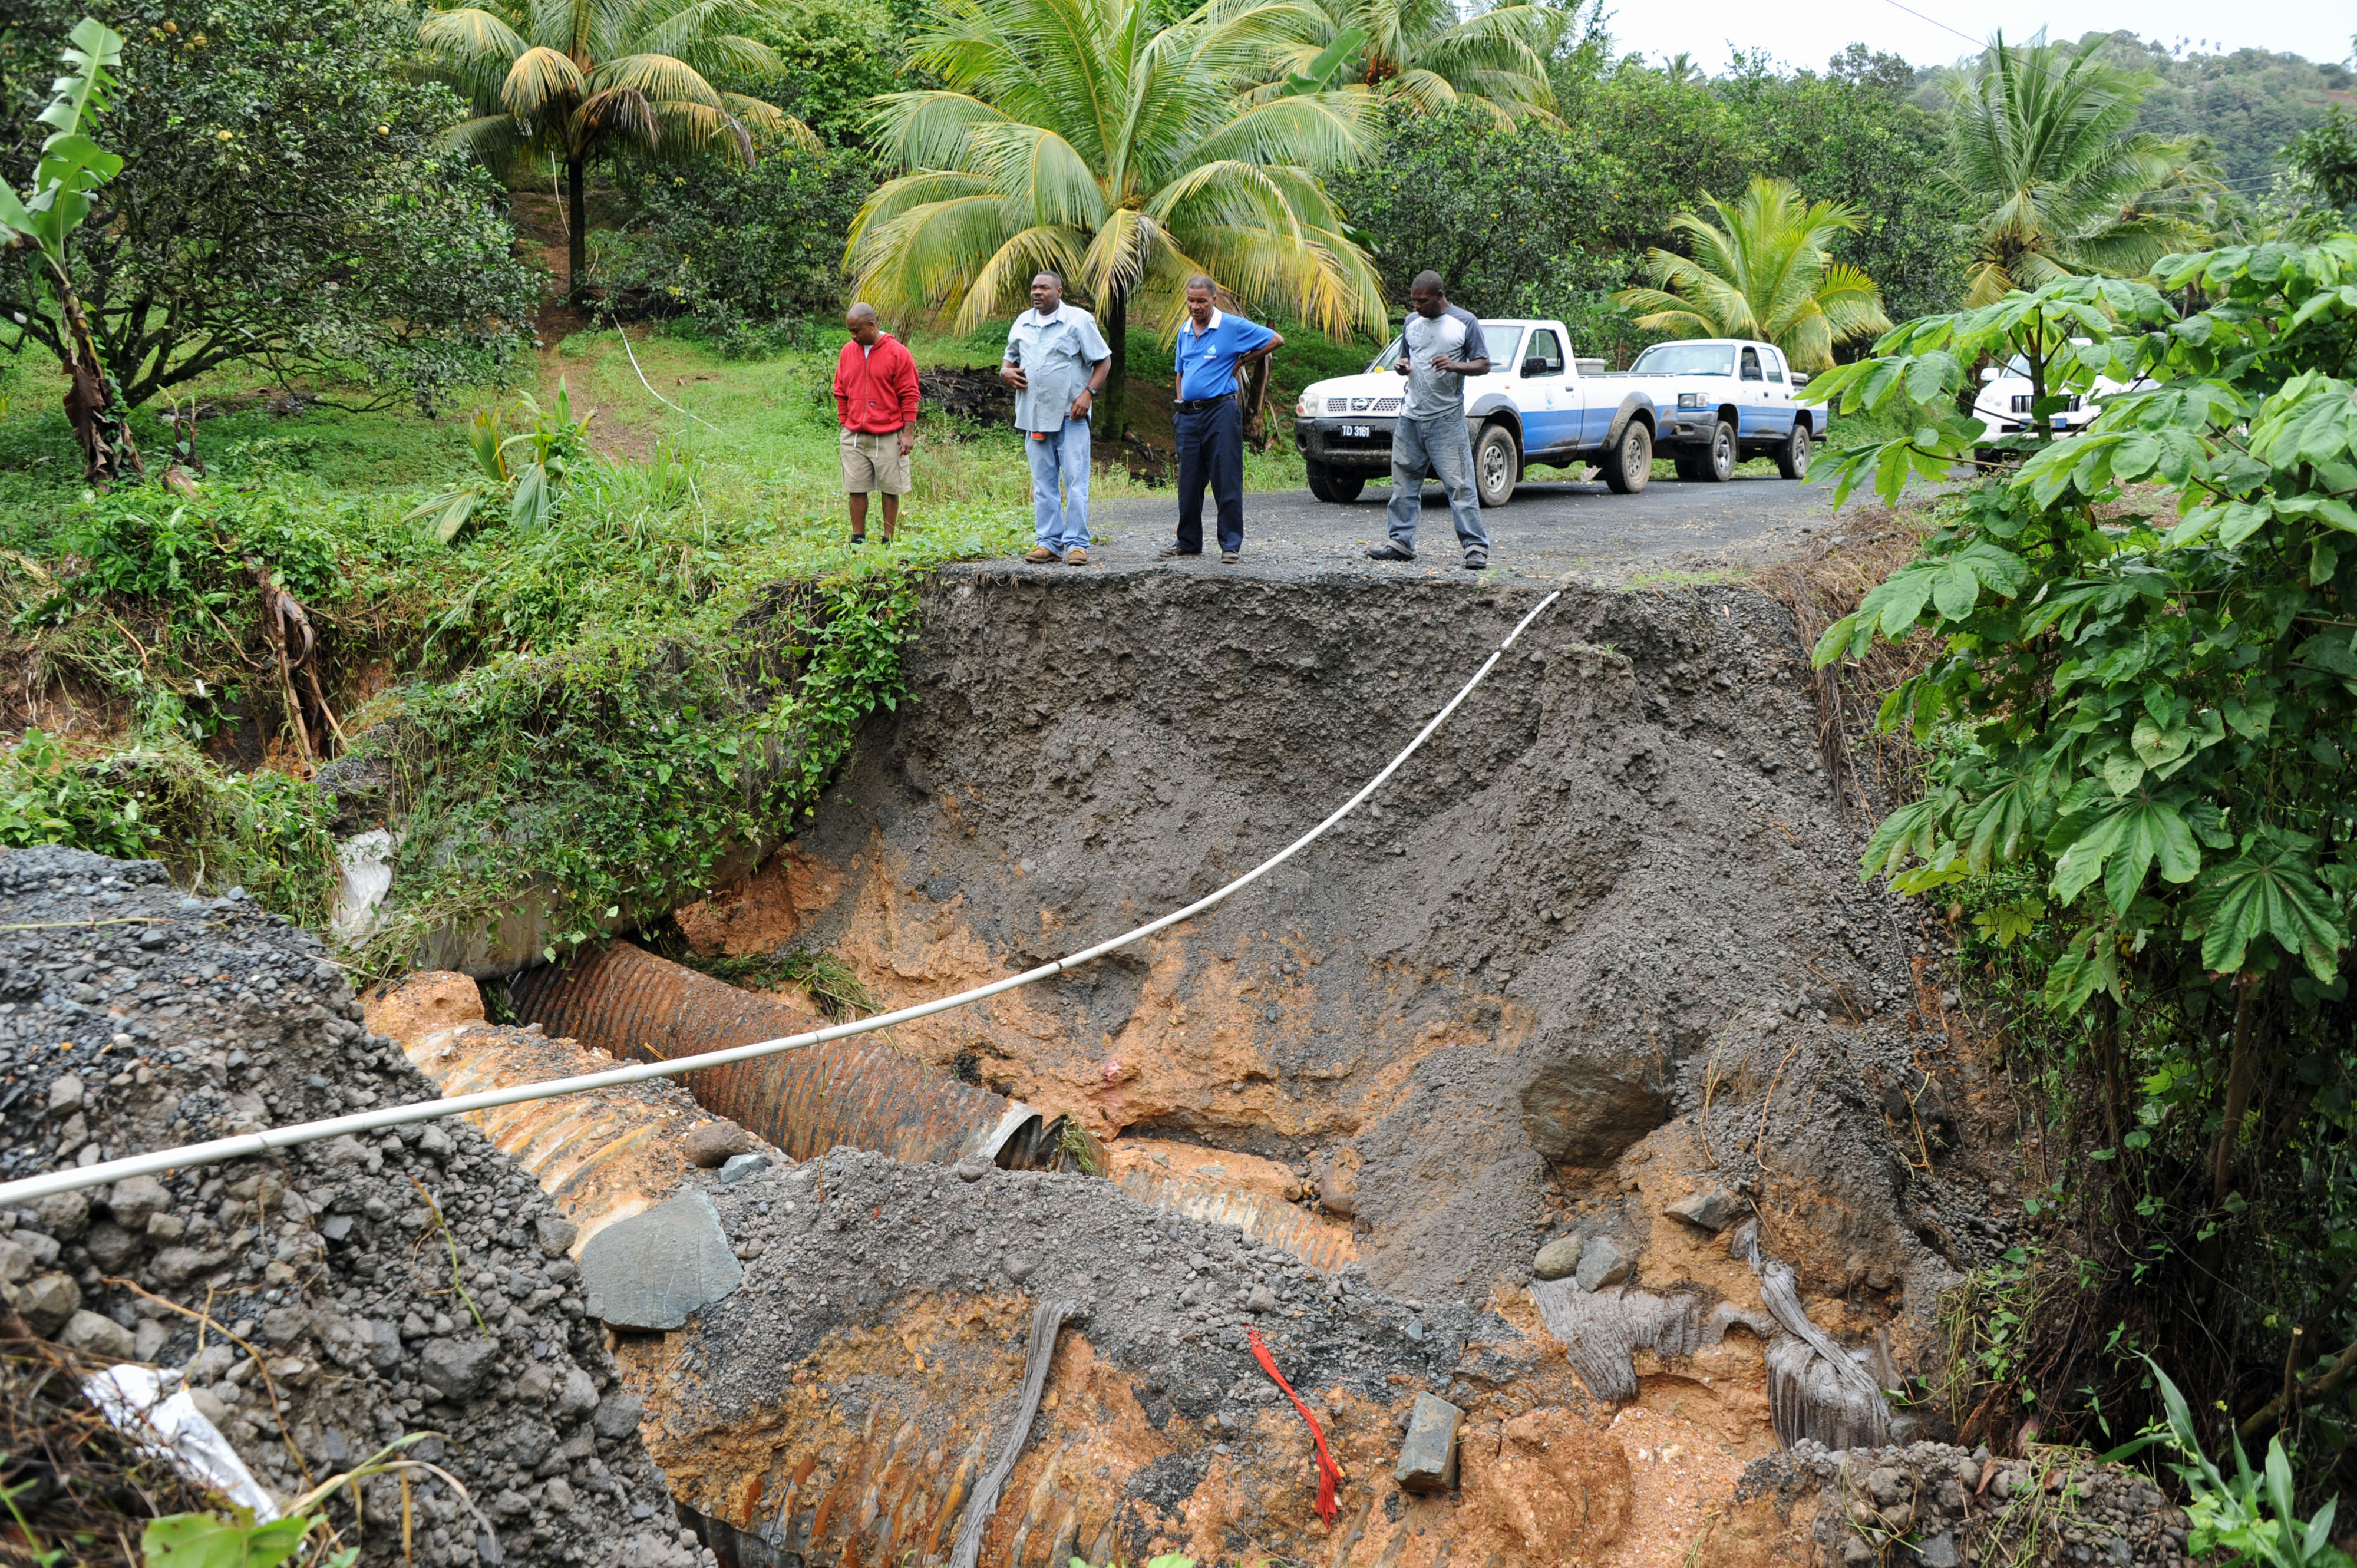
(2003, 403)
(1707, 405)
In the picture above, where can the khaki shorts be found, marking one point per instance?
(873, 462)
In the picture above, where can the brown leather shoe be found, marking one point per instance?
(1040, 555)
(1078, 556)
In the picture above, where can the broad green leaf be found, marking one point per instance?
(1894, 606)
(2250, 716)
(1932, 375)
(2270, 892)
(2089, 963)
(2154, 746)
(1954, 589)
(208, 1541)
(2243, 519)
(1837, 639)
(2122, 847)
(2006, 924)
(2122, 770)
(1910, 831)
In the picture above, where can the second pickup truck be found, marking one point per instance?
(1705, 403)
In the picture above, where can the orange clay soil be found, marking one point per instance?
(1199, 1048)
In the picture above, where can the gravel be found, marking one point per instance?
(1170, 1300)
(136, 1018)
(1956, 1506)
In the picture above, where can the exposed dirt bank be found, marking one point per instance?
(1613, 891)
(338, 1318)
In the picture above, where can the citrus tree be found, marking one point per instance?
(1765, 274)
(1081, 137)
(2141, 715)
(282, 202)
(577, 81)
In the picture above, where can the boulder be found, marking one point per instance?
(135, 1200)
(98, 1335)
(1574, 1113)
(714, 1144)
(457, 1369)
(617, 1415)
(1600, 1264)
(46, 1302)
(1558, 1259)
(1713, 1209)
(656, 1270)
(1428, 1461)
(555, 1234)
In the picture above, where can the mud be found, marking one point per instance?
(324, 1303)
(1614, 891)
(871, 1359)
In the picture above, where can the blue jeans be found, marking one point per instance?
(1445, 445)
(1212, 448)
(1060, 456)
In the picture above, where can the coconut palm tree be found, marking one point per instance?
(2045, 168)
(1424, 55)
(1074, 136)
(1764, 274)
(579, 79)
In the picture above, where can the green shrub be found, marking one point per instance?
(265, 832)
(614, 778)
(2141, 786)
(747, 253)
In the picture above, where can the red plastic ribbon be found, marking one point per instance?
(1328, 1472)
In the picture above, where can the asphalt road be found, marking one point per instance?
(1549, 529)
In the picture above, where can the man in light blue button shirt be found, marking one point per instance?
(1056, 362)
(1213, 347)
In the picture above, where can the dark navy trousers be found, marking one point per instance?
(1212, 448)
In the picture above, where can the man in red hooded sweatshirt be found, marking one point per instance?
(876, 403)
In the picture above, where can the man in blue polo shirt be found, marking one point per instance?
(1213, 347)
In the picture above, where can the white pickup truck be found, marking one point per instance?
(1705, 403)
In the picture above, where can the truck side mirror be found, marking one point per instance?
(1989, 374)
(1799, 379)
(1534, 366)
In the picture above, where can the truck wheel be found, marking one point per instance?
(1497, 463)
(1792, 458)
(1629, 463)
(1331, 485)
(1715, 464)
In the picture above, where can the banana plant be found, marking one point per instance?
(45, 218)
(527, 469)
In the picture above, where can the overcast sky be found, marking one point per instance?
(1807, 35)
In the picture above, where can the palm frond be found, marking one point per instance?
(1000, 284)
(539, 80)
(470, 35)
(1038, 170)
(1318, 131)
(928, 129)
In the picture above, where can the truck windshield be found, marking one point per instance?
(1685, 359)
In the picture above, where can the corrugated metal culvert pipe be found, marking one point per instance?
(632, 1002)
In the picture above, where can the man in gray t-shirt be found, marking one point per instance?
(1439, 347)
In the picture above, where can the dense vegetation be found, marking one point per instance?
(594, 644)
(2141, 719)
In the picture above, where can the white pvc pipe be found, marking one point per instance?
(212, 1151)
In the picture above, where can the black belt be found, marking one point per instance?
(1197, 405)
